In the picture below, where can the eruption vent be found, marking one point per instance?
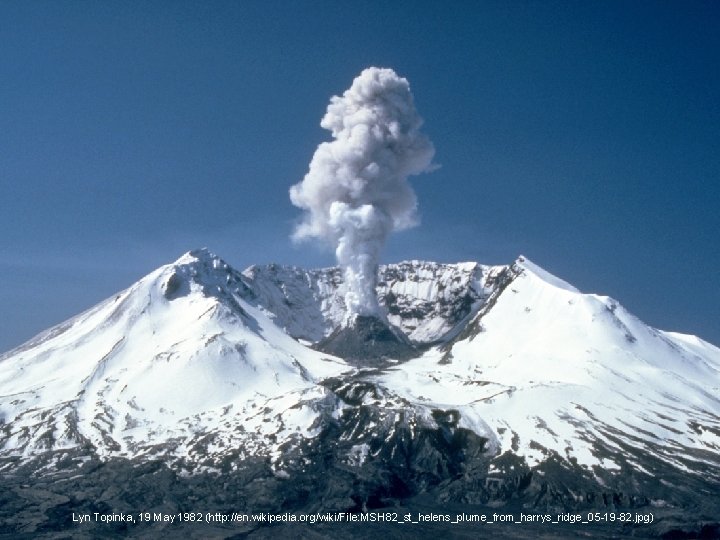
(356, 191)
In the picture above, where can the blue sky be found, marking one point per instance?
(585, 135)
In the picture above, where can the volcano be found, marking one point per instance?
(492, 387)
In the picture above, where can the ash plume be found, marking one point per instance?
(356, 191)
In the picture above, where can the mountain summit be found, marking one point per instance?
(489, 384)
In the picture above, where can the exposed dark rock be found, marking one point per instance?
(368, 342)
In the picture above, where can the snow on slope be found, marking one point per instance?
(178, 353)
(549, 369)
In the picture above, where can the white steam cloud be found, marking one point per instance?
(356, 191)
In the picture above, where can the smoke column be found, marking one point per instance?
(356, 191)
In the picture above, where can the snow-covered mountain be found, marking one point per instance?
(177, 359)
(518, 386)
